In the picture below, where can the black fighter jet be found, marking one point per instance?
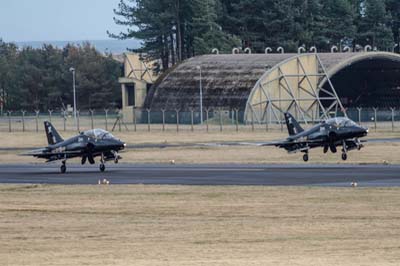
(328, 134)
(87, 145)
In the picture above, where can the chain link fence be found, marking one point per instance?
(376, 119)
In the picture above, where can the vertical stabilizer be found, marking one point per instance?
(52, 135)
(293, 126)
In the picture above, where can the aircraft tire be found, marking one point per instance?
(115, 161)
(344, 156)
(63, 169)
(102, 167)
(305, 157)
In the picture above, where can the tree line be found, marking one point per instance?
(174, 30)
(40, 79)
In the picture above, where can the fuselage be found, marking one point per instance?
(83, 144)
(330, 132)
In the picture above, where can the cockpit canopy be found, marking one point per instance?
(98, 134)
(341, 122)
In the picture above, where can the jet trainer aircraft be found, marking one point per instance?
(328, 134)
(88, 145)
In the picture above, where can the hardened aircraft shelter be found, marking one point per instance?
(311, 86)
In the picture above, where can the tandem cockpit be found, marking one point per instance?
(99, 134)
(340, 122)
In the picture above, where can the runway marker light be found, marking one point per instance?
(103, 182)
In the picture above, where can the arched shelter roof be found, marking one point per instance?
(228, 80)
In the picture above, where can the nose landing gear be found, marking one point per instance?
(344, 151)
(305, 157)
(102, 165)
(63, 168)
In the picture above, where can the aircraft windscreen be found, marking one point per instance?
(99, 134)
(341, 122)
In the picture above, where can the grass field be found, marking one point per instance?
(169, 225)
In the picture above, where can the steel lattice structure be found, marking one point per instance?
(293, 86)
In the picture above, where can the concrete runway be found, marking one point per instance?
(273, 175)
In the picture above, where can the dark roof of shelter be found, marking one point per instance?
(227, 79)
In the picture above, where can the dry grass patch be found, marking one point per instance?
(373, 153)
(33, 139)
(180, 225)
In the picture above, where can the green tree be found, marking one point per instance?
(205, 30)
(374, 28)
(338, 24)
(8, 75)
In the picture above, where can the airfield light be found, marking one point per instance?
(201, 95)
(74, 90)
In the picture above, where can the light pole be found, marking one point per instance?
(201, 96)
(74, 89)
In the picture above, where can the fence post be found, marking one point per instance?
(220, 119)
(163, 119)
(23, 120)
(252, 120)
(148, 119)
(9, 120)
(207, 115)
(393, 109)
(91, 118)
(50, 113)
(359, 115)
(177, 120)
(106, 118)
(119, 119)
(312, 118)
(375, 117)
(191, 119)
(237, 119)
(134, 118)
(37, 120)
(65, 120)
(77, 120)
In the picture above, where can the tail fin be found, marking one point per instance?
(293, 126)
(52, 135)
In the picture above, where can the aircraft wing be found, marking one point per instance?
(290, 143)
(34, 152)
(44, 152)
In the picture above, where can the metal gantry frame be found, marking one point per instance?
(298, 92)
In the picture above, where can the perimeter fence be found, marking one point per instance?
(376, 119)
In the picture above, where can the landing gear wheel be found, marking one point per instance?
(63, 168)
(344, 156)
(305, 157)
(102, 167)
(116, 161)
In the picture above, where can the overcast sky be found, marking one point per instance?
(56, 20)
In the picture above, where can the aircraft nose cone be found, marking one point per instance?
(364, 131)
(122, 145)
